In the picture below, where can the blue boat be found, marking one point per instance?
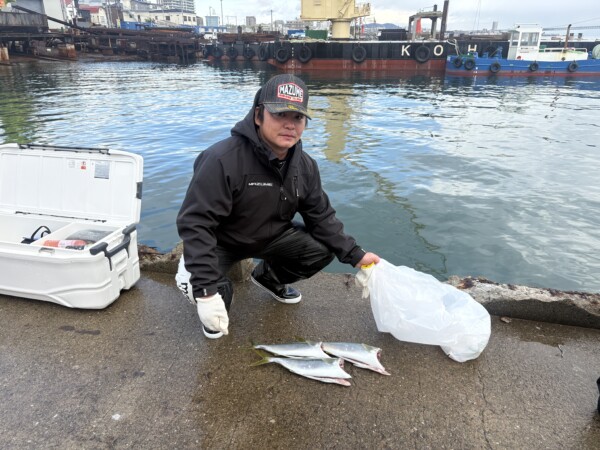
(526, 57)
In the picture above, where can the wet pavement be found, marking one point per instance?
(140, 374)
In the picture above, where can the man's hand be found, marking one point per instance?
(369, 258)
(366, 267)
(212, 313)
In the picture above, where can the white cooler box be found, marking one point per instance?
(50, 193)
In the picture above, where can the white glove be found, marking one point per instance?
(182, 278)
(212, 313)
(362, 279)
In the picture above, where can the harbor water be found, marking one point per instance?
(484, 177)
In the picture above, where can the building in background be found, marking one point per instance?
(212, 21)
(278, 25)
(92, 16)
(163, 17)
(184, 5)
(250, 21)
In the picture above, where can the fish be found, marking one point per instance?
(300, 349)
(361, 355)
(326, 370)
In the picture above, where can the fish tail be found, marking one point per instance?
(266, 358)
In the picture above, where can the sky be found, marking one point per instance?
(465, 15)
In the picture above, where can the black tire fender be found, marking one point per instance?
(422, 54)
(572, 67)
(249, 53)
(495, 67)
(232, 53)
(359, 54)
(282, 54)
(457, 62)
(304, 54)
(217, 52)
(263, 53)
(469, 64)
(533, 67)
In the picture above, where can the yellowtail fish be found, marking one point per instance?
(326, 370)
(300, 349)
(361, 355)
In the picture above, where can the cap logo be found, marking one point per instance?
(291, 92)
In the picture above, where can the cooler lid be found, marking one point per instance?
(72, 182)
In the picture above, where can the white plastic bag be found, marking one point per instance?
(416, 307)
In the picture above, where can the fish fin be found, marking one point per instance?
(266, 358)
(381, 370)
(341, 381)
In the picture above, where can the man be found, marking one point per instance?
(240, 204)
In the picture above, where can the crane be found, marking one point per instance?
(339, 12)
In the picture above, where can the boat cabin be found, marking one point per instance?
(525, 44)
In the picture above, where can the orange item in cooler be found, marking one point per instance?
(77, 244)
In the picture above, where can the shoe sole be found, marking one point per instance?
(287, 301)
(211, 335)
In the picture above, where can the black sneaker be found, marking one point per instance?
(281, 292)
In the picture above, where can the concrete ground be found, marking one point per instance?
(140, 374)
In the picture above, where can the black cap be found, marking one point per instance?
(283, 93)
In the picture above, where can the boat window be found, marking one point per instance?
(514, 38)
(529, 39)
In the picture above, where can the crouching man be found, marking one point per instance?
(240, 204)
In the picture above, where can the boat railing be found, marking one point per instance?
(562, 50)
(471, 54)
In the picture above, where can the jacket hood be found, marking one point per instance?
(246, 126)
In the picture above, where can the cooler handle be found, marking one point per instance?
(102, 246)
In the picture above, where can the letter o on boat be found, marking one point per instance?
(495, 67)
(533, 67)
(573, 67)
(359, 54)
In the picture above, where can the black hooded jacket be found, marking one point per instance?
(237, 199)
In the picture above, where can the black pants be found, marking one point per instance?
(293, 256)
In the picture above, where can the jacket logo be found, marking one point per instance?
(260, 184)
(291, 92)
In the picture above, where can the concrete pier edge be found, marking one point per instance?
(505, 300)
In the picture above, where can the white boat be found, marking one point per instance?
(526, 56)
